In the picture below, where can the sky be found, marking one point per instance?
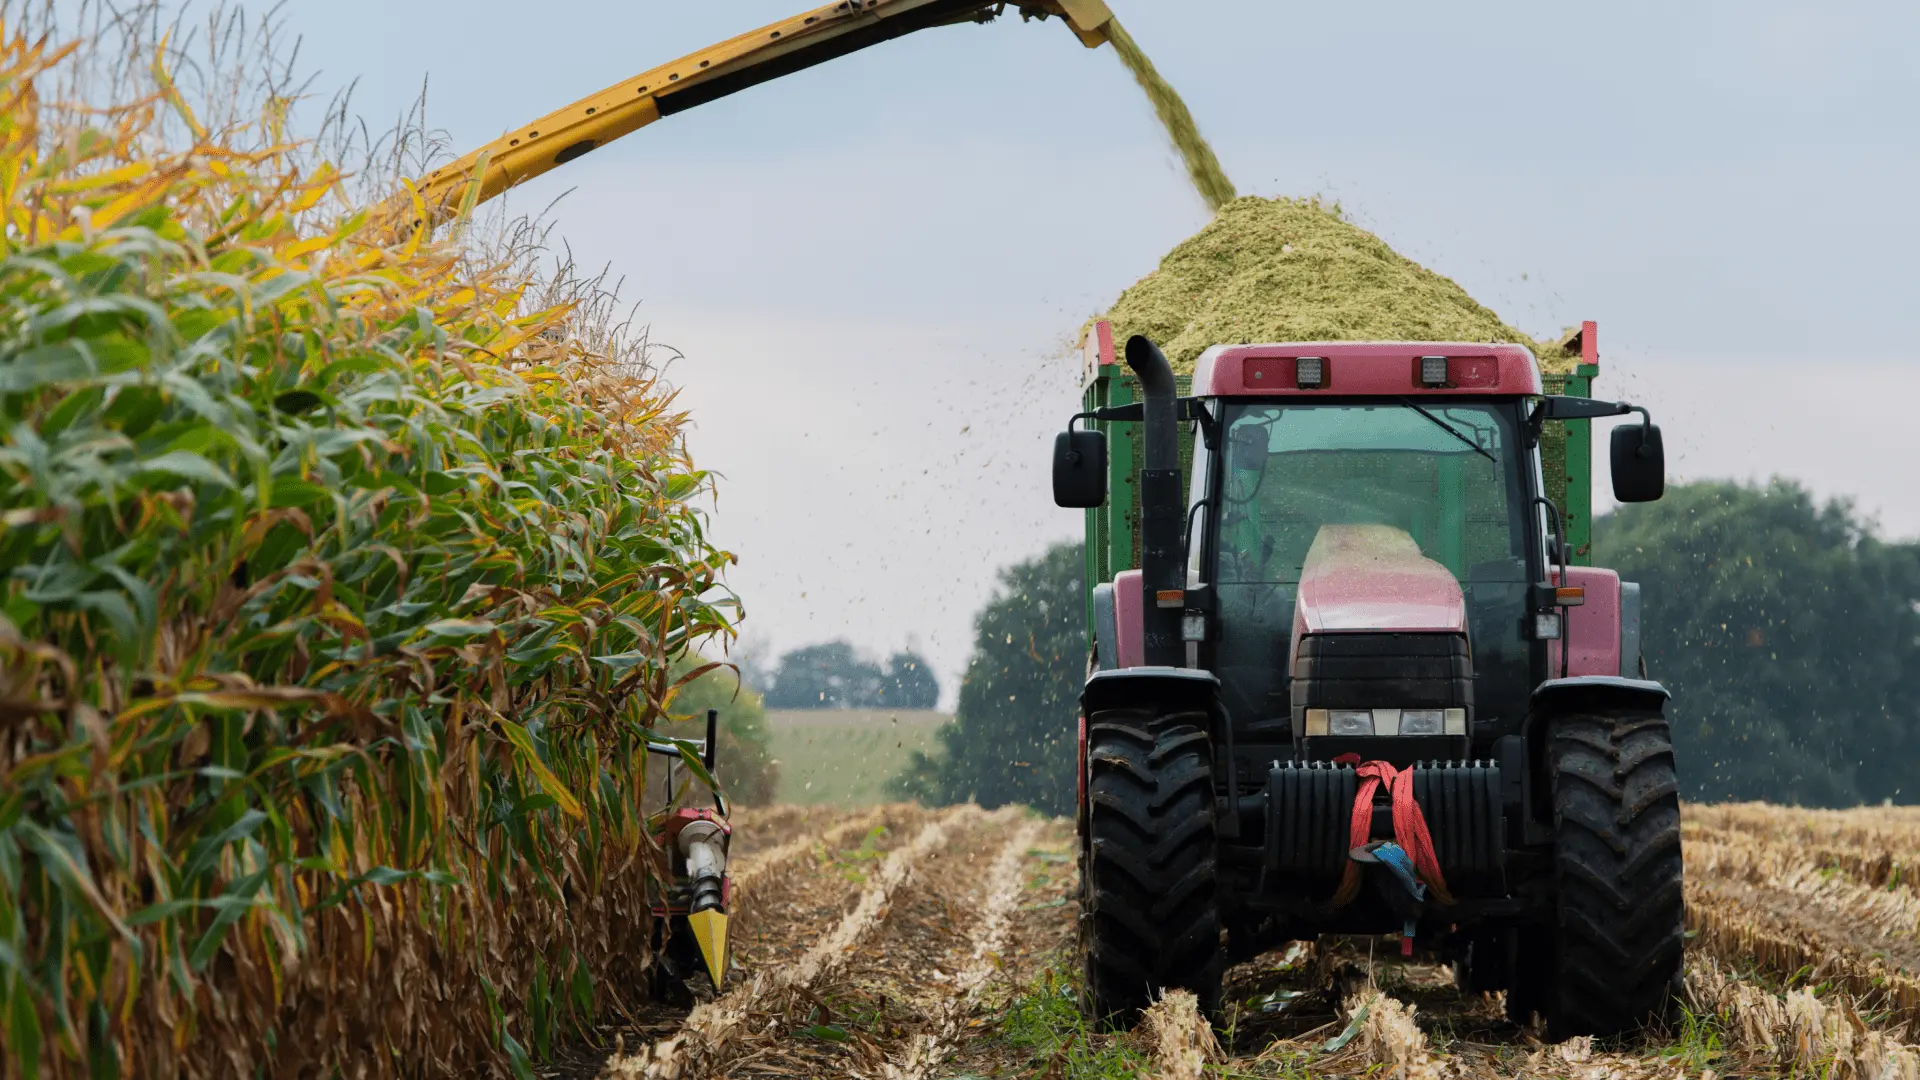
(874, 270)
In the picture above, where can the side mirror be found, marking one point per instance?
(1639, 463)
(1080, 469)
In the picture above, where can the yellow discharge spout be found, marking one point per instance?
(781, 48)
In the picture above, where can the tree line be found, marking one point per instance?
(1787, 629)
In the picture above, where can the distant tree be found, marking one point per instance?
(1789, 635)
(745, 767)
(909, 683)
(826, 676)
(1012, 739)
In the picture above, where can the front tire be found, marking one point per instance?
(1621, 917)
(1149, 916)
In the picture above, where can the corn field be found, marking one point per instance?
(344, 573)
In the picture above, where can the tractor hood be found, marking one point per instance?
(1373, 577)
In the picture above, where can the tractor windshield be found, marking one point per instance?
(1445, 473)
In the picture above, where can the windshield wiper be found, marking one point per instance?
(1450, 429)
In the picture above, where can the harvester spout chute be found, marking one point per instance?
(1163, 575)
(1088, 19)
(782, 48)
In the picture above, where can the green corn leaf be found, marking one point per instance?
(523, 742)
(699, 768)
(23, 1033)
(232, 906)
(188, 465)
(67, 866)
(517, 1057)
(61, 362)
(208, 849)
(459, 629)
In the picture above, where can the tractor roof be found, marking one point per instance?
(1365, 369)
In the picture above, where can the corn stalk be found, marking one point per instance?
(340, 589)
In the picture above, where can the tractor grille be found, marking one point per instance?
(1381, 671)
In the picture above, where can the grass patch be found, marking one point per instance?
(1044, 1021)
(1700, 1041)
(844, 757)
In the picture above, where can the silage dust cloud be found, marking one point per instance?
(1202, 166)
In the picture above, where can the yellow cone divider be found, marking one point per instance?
(710, 930)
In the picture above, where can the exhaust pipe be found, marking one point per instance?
(1163, 571)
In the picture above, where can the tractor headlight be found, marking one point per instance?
(1423, 722)
(1350, 721)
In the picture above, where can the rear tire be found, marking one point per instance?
(1149, 916)
(1621, 917)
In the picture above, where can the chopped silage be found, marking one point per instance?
(1203, 167)
(1297, 270)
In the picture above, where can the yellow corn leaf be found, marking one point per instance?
(172, 93)
(153, 190)
(324, 180)
(549, 783)
(73, 185)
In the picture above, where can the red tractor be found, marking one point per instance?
(1356, 687)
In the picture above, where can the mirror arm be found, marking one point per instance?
(1187, 541)
(1646, 426)
(1073, 456)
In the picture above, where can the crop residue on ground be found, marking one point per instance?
(959, 961)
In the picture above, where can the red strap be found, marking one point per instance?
(1409, 827)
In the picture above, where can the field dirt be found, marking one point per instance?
(901, 943)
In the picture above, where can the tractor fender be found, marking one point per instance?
(1168, 689)
(1162, 689)
(1597, 693)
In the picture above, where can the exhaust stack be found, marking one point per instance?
(1163, 572)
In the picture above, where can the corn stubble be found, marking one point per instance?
(342, 583)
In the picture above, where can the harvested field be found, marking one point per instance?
(900, 943)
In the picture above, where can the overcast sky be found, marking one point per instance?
(874, 267)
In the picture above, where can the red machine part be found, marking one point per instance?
(666, 832)
(1130, 650)
(1592, 629)
(1372, 578)
(1409, 827)
(1366, 369)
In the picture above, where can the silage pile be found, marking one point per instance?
(1297, 270)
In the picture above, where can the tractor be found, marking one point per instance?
(1354, 681)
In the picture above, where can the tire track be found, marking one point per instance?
(705, 1041)
(988, 939)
